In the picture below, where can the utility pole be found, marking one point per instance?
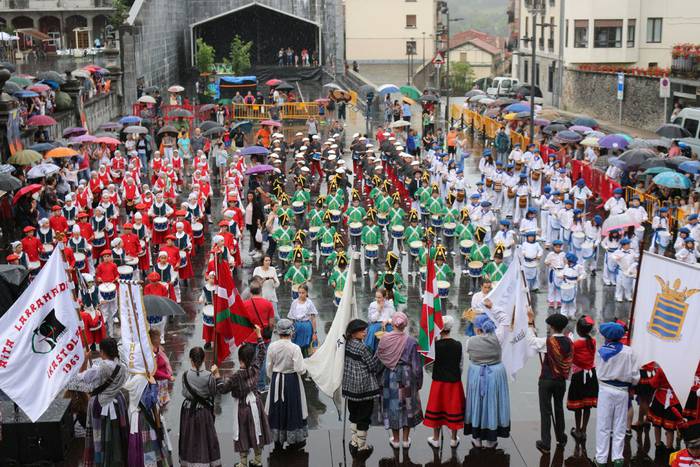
(537, 7)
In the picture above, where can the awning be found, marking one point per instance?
(33, 33)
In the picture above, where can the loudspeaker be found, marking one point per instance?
(47, 440)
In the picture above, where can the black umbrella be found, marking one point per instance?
(52, 76)
(526, 90)
(151, 89)
(8, 66)
(244, 125)
(365, 90)
(11, 87)
(635, 157)
(562, 121)
(180, 113)
(208, 125)
(161, 306)
(13, 274)
(429, 98)
(553, 128)
(473, 92)
(217, 130)
(674, 162)
(284, 86)
(672, 131)
(9, 183)
(168, 129)
(652, 162)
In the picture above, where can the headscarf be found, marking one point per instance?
(485, 323)
(612, 332)
(391, 344)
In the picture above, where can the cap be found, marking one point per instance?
(106, 252)
(28, 229)
(154, 277)
(557, 321)
(284, 327)
(617, 191)
(354, 326)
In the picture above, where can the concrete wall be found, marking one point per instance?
(595, 94)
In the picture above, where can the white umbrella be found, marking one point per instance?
(400, 123)
(80, 74)
(175, 88)
(7, 37)
(332, 86)
(42, 170)
(147, 100)
(618, 221)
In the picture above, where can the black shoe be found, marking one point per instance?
(353, 449)
(254, 464)
(562, 442)
(660, 454)
(207, 345)
(544, 449)
(296, 446)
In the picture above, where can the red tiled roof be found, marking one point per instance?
(481, 44)
(463, 37)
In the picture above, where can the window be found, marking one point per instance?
(410, 21)
(566, 37)
(654, 29)
(463, 57)
(607, 33)
(692, 126)
(581, 33)
(527, 26)
(550, 77)
(526, 71)
(552, 2)
(631, 32)
(537, 74)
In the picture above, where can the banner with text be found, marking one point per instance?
(136, 348)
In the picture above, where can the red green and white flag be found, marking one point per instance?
(431, 315)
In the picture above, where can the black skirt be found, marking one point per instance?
(583, 390)
(668, 418)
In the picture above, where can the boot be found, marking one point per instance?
(619, 463)
(362, 446)
(257, 458)
(353, 439)
(244, 460)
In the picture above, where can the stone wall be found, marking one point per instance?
(595, 94)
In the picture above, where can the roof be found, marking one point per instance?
(483, 45)
(463, 37)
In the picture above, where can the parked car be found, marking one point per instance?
(503, 86)
(689, 118)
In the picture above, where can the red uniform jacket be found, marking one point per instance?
(32, 247)
(173, 254)
(58, 223)
(106, 272)
(156, 288)
(132, 247)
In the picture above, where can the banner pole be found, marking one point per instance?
(214, 298)
(136, 323)
(83, 331)
(636, 288)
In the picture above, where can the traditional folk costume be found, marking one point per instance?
(446, 400)
(149, 443)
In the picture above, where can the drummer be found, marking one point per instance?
(687, 254)
(80, 245)
(168, 275)
(284, 235)
(316, 221)
(392, 281)
(532, 253)
(581, 194)
(297, 274)
(615, 204)
(505, 236)
(339, 276)
(479, 255)
(132, 247)
(57, 221)
(107, 273)
(330, 261)
(355, 214)
(496, 269)
(522, 197)
(183, 242)
(443, 271)
(626, 259)
(555, 262)
(142, 232)
(90, 314)
(32, 247)
(530, 221)
(206, 299)
(413, 235)
(452, 215)
(436, 208)
(118, 254)
(610, 244)
(660, 226)
(573, 273)
(303, 196)
(397, 218)
(371, 239)
(592, 229)
(383, 203)
(160, 209)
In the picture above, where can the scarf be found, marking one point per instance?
(391, 347)
(610, 349)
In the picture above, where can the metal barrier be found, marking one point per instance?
(288, 111)
(651, 202)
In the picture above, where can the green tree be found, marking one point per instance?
(461, 77)
(239, 55)
(205, 56)
(121, 12)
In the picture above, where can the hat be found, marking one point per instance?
(484, 323)
(28, 229)
(572, 258)
(154, 277)
(170, 237)
(106, 252)
(392, 259)
(663, 209)
(580, 182)
(12, 257)
(557, 242)
(598, 219)
(690, 240)
(557, 321)
(569, 202)
(531, 233)
(690, 431)
(88, 277)
(505, 222)
(56, 207)
(399, 319)
(341, 259)
(128, 225)
(413, 215)
(692, 217)
(625, 241)
(355, 325)
(486, 204)
(532, 210)
(284, 327)
(617, 191)
(480, 234)
(612, 331)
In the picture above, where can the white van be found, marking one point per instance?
(503, 86)
(689, 118)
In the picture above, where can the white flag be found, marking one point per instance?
(510, 297)
(666, 322)
(326, 365)
(40, 343)
(136, 348)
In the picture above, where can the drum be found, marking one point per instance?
(522, 202)
(160, 224)
(489, 183)
(313, 231)
(664, 238)
(197, 230)
(577, 239)
(109, 229)
(639, 233)
(283, 252)
(34, 266)
(326, 249)
(443, 288)
(465, 247)
(79, 261)
(511, 193)
(46, 254)
(335, 216)
(295, 291)
(131, 261)
(580, 204)
(355, 229)
(558, 277)
(423, 273)
(338, 296)
(316, 156)
(208, 315)
(536, 174)
(183, 259)
(371, 251)
(126, 273)
(108, 291)
(436, 221)
(498, 187)
(568, 292)
(530, 269)
(449, 229)
(298, 208)
(587, 250)
(382, 219)
(99, 240)
(144, 250)
(415, 247)
(475, 268)
(397, 232)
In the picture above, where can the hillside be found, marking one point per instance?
(483, 15)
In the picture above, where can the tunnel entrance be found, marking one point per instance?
(269, 29)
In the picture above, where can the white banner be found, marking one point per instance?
(40, 343)
(326, 365)
(136, 348)
(666, 320)
(510, 297)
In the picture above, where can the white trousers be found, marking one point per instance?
(624, 287)
(611, 420)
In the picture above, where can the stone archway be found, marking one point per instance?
(51, 26)
(70, 25)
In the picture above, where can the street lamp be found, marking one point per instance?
(534, 7)
(445, 10)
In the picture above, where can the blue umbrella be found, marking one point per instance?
(586, 121)
(130, 120)
(613, 142)
(568, 136)
(518, 107)
(41, 147)
(245, 126)
(673, 180)
(251, 150)
(388, 89)
(51, 83)
(620, 164)
(24, 94)
(692, 167)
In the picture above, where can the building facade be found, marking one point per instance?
(482, 51)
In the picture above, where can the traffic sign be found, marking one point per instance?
(664, 88)
(439, 59)
(620, 86)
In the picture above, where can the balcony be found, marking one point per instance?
(54, 5)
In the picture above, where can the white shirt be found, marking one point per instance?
(284, 356)
(532, 251)
(627, 260)
(615, 205)
(302, 311)
(375, 314)
(638, 213)
(527, 225)
(623, 367)
(269, 287)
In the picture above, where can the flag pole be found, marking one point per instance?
(75, 293)
(636, 288)
(214, 298)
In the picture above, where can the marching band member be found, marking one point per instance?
(496, 268)
(522, 196)
(679, 244)
(392, 281)
(592, 229)
(297, 274)
(610, 243)
(206, 299)
(505, 236)
(660, 227)
(688, 254)
(168, 274)
(480, 253)
(45, 232)
(130, 194)
(32, 247)
(536, 166)
(118, 254)
(626, 259)
(70, 209)
(581, 194)
(57, 221)
(566, 219)
(485, 219)
(156, 286)
(573, 273)
(636, 211)
(160, 209)
(106, 273)
(93, 321)
(371, 240)
(555, 262)
(532, 253)
(529, 223)
(183, 242)
(615, 205)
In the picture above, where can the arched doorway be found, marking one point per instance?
(76, 31)
(51, 26)
(21, 22)
(99, 24)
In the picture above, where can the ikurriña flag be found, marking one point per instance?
(431, 314)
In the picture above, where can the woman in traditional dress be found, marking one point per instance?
(250, 425)
(149, 442)
(487, 413)
(401, 382)
(198, 444)
(164, 372)
(303, 314)
(107, 428)
(446, 401)
(286, 402)
(583, 390)
(379, 316)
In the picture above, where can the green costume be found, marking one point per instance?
(305, 255)
(443, 272)
(422, 258)
(284, 235)
(452, 215)
(423, 195)
(464, 232)
(326, 234)
(384, 204)
(414, 233)
(337, 279)
(289, 211)
(495, 272)
(480, 253)
(396, 216)
(371, 235)
(436, 206)
(297, 275)
(316, 217)
(355, 214)
(302, 195)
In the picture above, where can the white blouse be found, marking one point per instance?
(374, 313)
(302, 311)
(269, 287)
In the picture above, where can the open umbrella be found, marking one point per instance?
(595, 134)
(503, 101)
(136, 129)
(273, 82)
(526, 91)
(24, 157)
(83, 139)
(161, 306)
(517, 107)
(652, 162)
(7, 169)
(284, 86)
(675, 162)
(618, 163)
(207, 107)
(130, 120)
(588, 141)
(260, 168)
(483, 100)
(332, 86)
(408, 100)
(13, 273)
(84, 74)
(340, 95)
(365, 89)
(151, 89)
(180, 113)
(410, 91)
(692, 167)
(553, 129)
(208, 125)
(244, 125)
(146, 99)
(510, 116)
(175, 88)
(252, 150)
(217, 130)
(400, 123)
(41, 147)
(673, 180)
(635, 157)
(388, 89)
(108, 140)
(613, 142)
(23, 94)
(11, 87)
(474, 92)
(9, 183)
(26, 190)
(619, 221)
(429, 98)
(52, 75)
(111, 126)
(672, 131)
(274, 123)
(43, 170)
(168, 129)
(7, 65)
(586, 121)
(657, 170)
(41, 120)
(580, 129)
(523, 115)
(57, 153)
(74, 131)
(322, 100)
(568, 136)
(19, 81)
(38, 88)
(541, 122)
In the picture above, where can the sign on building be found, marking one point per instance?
(664, 88)
(620, 86)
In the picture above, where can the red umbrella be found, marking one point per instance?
(107, 140)
(26, 190)
(38, 88)
(41, 120)
(271, 123)
(273, 82)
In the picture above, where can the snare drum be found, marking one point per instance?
(197, 230)
(335, 216)
(443, 288)
(283, 252)
(449, 229)
(79, 261)
(208, 315)
(133, 262)
(465, 247)
(338, 296)
(326, 249)
(99, 240)
(34, 266)
(108, 292)
(109, 229)
(475, 268)
(415, 247)
(46, 254)
(577, 239)
(295, 291)
(382, 219)
(126, 273)
(183, 259)
(313, 231)
(298, 208)
(355, 229)
(436, 221)
(664, 238)
(568, 292)
(498, 187)
(587, 250)
(160, 224)
(144, 250)
(371, 251)
(489, 182)
(397, 232)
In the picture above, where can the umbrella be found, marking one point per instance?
(485, 100)
(19, 81)
(410, 91)
(675, 162)
(400, 123)
(492, 112)
(180, 113)
(150, 89)
(146, 99)
(553, 128)
(261, 168)
(429, 98)
(252, 150)
(653, 162)
(9, 183)
(41, 120)
(38, 88)
(365, 89)
(502, 101)
(618, 221)
(208, 125)
(332, 86)
(11, 87)
(207, 107)
(244, 125)
(634, 157)
(567, 136)
(57, 153)
(595, 134)
(25, 94)
(580, 129)
(273, 82)
(474, 92)
(7, 169)
(692, 167)
(510, 116)
(618, 163)
(408, 100)
(518, 107)
(26, 190)
(284, 86)
(340, 95)
(25, 157)
(43, 170)
(478, 97)
(541, 122)
(80, 74)
(673, 180)
(41, 147)
(108, 140)
(74, 131)
(523, 115)
(50, 83)
(525, 91)
(168, 129)
(111, 126)
(130, 120)
(657, 170)
(589, 141)
(7, 65)
(274, 123)
(83, 139)
(217, 130)
(613, 142)
(672, 131)
(388, 89)
(52, 75)
(13, 273)
(586, 121)
(161, 306)
(322, 100)
(136, 129)
(175, 88)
